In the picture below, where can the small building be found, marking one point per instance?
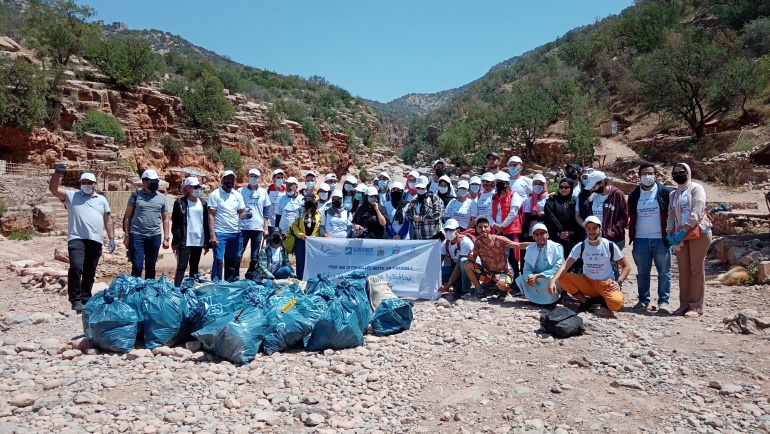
(761, 156)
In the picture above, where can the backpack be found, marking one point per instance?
(562, 322)
(470, 233)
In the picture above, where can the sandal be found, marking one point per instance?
(692, 314)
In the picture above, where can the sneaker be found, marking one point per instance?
(77, 307)
(516, 293)
(641, 306)
(586, 305)
(664, 308)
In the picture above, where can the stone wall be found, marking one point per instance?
(736, 223)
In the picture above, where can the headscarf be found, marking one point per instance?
(562, 198)
(682, 189)
(535, 197)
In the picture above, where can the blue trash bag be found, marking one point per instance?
(286, 325)
(218, 299)
(112, 324)
(235, 337)
(321, 286)
(132, 293)
(187, 291)
(346, 319)
(164, 310)
(312, 307)
(392, 316)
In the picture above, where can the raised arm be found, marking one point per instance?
(54, 184)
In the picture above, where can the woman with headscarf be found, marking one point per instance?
(534, 205)
(189, 229)
(307, 225)
(560, 217)
(371, 217)
(348, 193)
(689, 231)
(398, 225)
(445, 190)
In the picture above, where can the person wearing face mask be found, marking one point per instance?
(349, 192)
(307, 225)
(598, 280)
(507, 218)
(560, 217)
(324, 197)
(189, 229)
(310, 186)
(438, 171)
(331, 180)
(275, 192)
(253, 229)
(88, 215)
(494, 160)
(411, 185)
(290, 206)
(274, 261)
(648, 212)
(573, 171)
(533, 206)
(383, 183)
(145, 211)
(486, 196)
(608, 203)
(519, 183)
(474, 187)
(398, 225)
(358, 197)
(424, 212)
(371, 218)
(541, 260)
(445, 190)
(581, 205)
(226, 209)
(456, 248)
(462, 209)
(336, 220)
(688, 229)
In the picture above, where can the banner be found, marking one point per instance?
(413, 268)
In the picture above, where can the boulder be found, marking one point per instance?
(8, 44)
(16, 219)
(43, 217)
(61, 253)
(748, 322)
(763, 272)
(94, 141)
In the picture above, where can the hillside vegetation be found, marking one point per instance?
(690, 61)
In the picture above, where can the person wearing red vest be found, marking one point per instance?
(507, 219)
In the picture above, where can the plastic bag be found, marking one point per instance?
(379, 290)
(164, 310)
(235, 337)
(111, 324)
(286, 325)
(321, 286)
(344, 322)
(216, 300)
(393, 315)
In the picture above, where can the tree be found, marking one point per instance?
(756, 37)
(736, 13)
(207, 104)
(455, 142)
(22, 93)
(528, 115)
(99, 122)
(127, 60)
(232, 160)
(741, 80)
(582, 139)
(643, 26)
(680, 80)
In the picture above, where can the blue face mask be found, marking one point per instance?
(583, 182)
(359, 196)
(461, 192)
(537, 188)
(383, 184)
(332, 187)
(348, 187)
(372, 199)
(513, 170)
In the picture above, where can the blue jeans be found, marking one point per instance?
(281, 273)
(465, 281)
(255, 238)
(226, 256)
(144, 251)
(645, 252)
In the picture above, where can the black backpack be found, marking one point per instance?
(562, 322)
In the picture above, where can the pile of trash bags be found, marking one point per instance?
(235, 320)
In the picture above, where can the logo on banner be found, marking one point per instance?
(359, 251)
(380, 253)
(328, 250)
(396, 250)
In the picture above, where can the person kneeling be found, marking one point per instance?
(494, 267)
(598, 279)
(274, 261)
(541, 261)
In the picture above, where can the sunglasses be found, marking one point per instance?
(197, 187)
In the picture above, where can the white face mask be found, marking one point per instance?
(411, 184)
(279, 182)
(461, 192)
(648, 180)
(197, 192)
(309, 185)
(443, 190)
(422, 191)
(87, 188)
(332, 187)
(537, 189)
(323, 195)
(450, 234)
(475, 188)
(349, 187)
(253, 181)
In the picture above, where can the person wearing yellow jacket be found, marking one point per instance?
(307, 225)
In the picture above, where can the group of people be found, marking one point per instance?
(500, 231)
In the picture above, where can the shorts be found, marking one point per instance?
(493, 277)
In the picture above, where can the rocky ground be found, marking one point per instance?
(470, 366)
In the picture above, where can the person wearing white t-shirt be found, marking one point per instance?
(648, 212)
(457, 248)
(520, 184)
(335, 219)
(275, 192)
(485, 197)
(253, 229)
(398, 225)
(226, 208)
(462, 208)
(189, 229)
(289, 206)
(598, 278)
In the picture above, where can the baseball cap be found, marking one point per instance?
(414, 173)
(255, 172)
(488, 177)
(398, 184)
(515, 159)
(292, 180)
(451, 224)
(539, 177)
(463, 184)
(337, 193)
(494, 154)
(150, 174)
(227, 173)
(324, 187)
(440, 160)
(310, 173)
(475, 180)
(574, 166)
(89, 176)
(592, 219)
(361, 188)
(595, 177)
(191, 180)
(422, 182)
(330, 177)
(372, 191)
(351, 179)
(384, 174)
(502, 176)
(278, 172)
(539, 226)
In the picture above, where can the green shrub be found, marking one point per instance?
(363, 174)
(213, 155)
(172, 147)
(311, 131)
(127, 60)
(22, 101)
(3, 208)
(101, 123)
(232, 160)
(20, 235)
(207, 104)
(756, 36)
(333, 159)
(285, 137)
(276, 162)
(126, 165)
(294, 111)
(175, 87)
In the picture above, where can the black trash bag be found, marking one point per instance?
(111, 324)
(392, 316)
(164, 310)
(218, 299)
(562, 322)
(286, 325)
(346, 319)
(321, 286)
(235, 337)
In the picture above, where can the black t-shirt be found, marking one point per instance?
(367, 218)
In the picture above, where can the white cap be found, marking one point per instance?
(502, 176)
(440, 160)
(451, 224)
(351, 179)
(292, 180)
(489, 177)
(592, 219)
(310, 173)
(191, 180)
(150, 174)
(446, 179)
(255, 172)
(89, 176)
(515, 159)
(539, 226)
(422, 182)
(384, 174)
(330, 177)
(397, 184)
(361, 188)
(588, 171)
(372, 191)
(595, 177)
(475, 180)
(337, 193)
(539, 177)
(324, 187)
(227, 173)
(278, 172)
(463, 184)
(414, 173)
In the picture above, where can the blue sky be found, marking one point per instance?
(378, 50)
